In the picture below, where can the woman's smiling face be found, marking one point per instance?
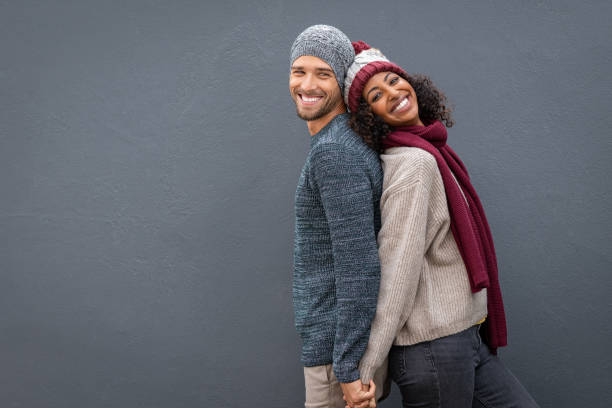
(393, 99)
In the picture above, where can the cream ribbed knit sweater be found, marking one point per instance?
(424, 288)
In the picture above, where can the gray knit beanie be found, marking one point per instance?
(329, 44)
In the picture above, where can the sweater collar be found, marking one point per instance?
(336, 120)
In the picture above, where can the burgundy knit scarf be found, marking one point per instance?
(468, 221)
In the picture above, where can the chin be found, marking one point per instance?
(309, 115)
(410, 120)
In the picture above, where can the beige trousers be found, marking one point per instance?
(323, 389)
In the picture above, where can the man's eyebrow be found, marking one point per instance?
(300, 68)
(368, 94)
(388, 73)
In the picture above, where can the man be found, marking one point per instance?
(336, 265)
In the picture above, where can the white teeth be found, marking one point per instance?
(307, 99)
(401, 105)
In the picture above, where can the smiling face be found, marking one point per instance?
(314, 88)
(393, 99)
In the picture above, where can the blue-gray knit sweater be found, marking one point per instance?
(336, 270)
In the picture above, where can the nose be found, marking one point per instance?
(308, 83)
(393, 93)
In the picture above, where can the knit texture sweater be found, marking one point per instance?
(425, 291)
(336, 270)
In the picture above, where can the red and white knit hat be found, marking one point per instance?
(368, 62)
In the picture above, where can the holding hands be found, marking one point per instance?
(358, 395)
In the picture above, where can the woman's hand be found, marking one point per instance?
(358, 395)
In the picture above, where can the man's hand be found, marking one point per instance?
(358, 395)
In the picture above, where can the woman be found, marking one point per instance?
(439, 289)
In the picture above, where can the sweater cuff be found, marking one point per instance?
(367, 373)
(346, 376)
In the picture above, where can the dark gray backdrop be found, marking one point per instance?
(149, 153)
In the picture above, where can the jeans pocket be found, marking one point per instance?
(397, 364)
(414, 371)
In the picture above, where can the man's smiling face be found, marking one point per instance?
(313, 87)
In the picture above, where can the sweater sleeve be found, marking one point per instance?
(347, 197)
(402, 241)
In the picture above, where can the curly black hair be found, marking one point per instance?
(432, 106)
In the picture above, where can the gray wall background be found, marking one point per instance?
(149, 153)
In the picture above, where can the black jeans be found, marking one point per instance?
(455, 371)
